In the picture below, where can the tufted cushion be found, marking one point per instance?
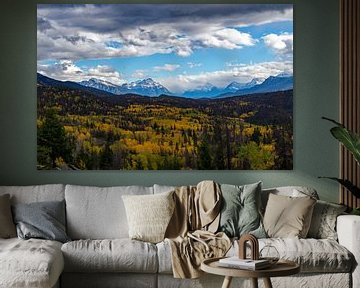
(117, 255)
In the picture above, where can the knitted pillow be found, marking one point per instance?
(149, 215)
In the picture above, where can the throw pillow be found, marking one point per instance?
(323, 222)
(43, 220)
(7, 227)
(240, 213)
(149, 215)
(288, 217)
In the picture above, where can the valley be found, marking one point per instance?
(91, 129)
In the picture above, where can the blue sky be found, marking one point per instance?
(181, 46)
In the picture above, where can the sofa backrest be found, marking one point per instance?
(35, 193)
(98, 212)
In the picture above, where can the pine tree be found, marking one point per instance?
(52, 138)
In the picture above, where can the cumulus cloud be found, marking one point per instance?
(226, 38)
(66, 70)
(75, 32)
(167, 67)
(221, 78)
(282, 43)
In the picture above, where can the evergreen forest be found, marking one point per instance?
(80, 129)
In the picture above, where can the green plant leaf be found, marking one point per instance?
(347, 184)
(348, 138)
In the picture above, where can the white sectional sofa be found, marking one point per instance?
(102, 255)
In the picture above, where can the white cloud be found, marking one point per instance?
(222, 78)
(282, 43)
(226, 38)
(167, 67)
(75, 32)
(66, 70)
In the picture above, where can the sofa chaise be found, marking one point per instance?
(101, 254)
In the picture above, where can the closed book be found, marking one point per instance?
(236, 262)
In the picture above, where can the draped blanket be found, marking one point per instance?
(191, 232)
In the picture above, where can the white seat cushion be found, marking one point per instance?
(30, 263)
(117, 255)
(313, 255)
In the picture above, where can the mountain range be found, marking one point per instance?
(146, 87)
(151, 88)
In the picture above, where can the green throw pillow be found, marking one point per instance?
(240, 213)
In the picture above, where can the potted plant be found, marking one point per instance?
(351, 141)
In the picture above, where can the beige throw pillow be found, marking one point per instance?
(148, 215)
(7, 226)
(288, 217)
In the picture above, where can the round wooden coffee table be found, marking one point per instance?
(281, 268)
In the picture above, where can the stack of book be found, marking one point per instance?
(248, 264)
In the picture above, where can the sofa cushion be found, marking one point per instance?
(43, 220)
(30, 263)
(7, 226)
(163, 188)
(291, 191)
(36, 193)
(149, 215)
(116, 255)
(323, 222)
(287, 216)
(98, 213)
(313, 255)
(240, 210)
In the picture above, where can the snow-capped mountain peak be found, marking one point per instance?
(144, 87)
(100, 84)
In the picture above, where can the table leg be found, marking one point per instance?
(227, 282)
(254, 282)
(267, 283)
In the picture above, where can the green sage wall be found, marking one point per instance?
(316, 94)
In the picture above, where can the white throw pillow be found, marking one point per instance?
(149, 215)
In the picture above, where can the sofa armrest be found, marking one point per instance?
(348, 230)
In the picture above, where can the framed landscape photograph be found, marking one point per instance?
(165, 87)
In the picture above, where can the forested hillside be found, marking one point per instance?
(78, 129)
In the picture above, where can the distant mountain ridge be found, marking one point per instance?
(151, 88)
(47, 81)
(280, 82)
(146, 87)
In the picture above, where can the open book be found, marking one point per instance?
(236, 262)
